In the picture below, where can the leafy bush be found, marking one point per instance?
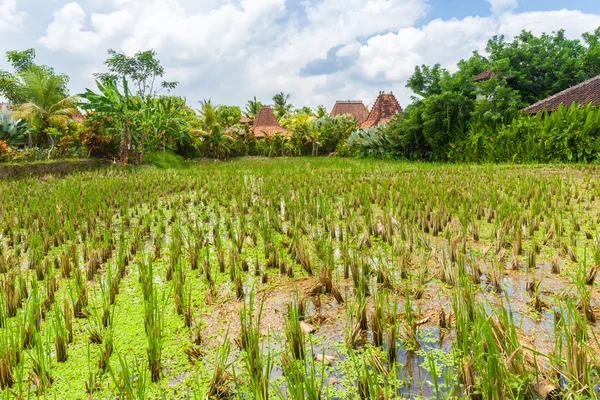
(96, 134)
(164, 160)
(569, 134)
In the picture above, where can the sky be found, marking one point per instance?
(319, 51)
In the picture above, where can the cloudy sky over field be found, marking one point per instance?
(317, 50)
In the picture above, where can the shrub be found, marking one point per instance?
(164, 159)
(95, 134)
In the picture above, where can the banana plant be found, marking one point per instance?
(122, 106)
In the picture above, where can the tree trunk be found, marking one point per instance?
(49, 136)
(140, 156)
(125, 143)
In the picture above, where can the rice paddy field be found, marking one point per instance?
(301, 279)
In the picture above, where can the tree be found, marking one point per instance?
(541, 66)
(21, 60)
(426, 80)
(321, 111)
(591, 59)
(282, 107)
(122, 106)
(305, 110)
(228, 116)
(215, 142)
(46, 105)
(142, 71)
(252, 108)
(11, 84)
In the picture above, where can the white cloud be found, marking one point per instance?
(391, 58)
(502, 6)
(11, 20)
(67, 30)
(573, 22)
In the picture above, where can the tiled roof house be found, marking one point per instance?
(386, 106)
(351, 107)
(588, 91)
(265, 124)
(484, 76)
(487, 74)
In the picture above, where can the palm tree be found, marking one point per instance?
(281, 106)
(47, 104)
(217, 143)
(252, 108)
(208, 113)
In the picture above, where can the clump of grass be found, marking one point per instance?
(257, 365)
(132, 380)
(377, 320)
(219, 386)
(61, 334)
(293, 331)
(41, 376)
(153, 322)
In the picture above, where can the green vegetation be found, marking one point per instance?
(316, 278)
(453, 117)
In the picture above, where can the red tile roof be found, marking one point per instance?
(485, 75)
(588, 91)
(386, 106)
(245, 120)
(265, 124)
(355, 108)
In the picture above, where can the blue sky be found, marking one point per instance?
(319, 51)
(447, 9)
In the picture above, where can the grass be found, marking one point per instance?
(329, 274)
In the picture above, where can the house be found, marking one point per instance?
(265, 124)
(486, 76)
(245, 120)
(385, 108)
(588, 91)
(355, 108)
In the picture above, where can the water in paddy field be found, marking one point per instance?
(412, 374)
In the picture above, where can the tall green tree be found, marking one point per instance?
(281, 105)
(11, 83)
(143, 71)
(542, 65)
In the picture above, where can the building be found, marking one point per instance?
(585, 92)
(486, 76)
(385, 108)
(265, 124)
(355, 108)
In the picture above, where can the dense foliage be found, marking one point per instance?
(453, 117)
